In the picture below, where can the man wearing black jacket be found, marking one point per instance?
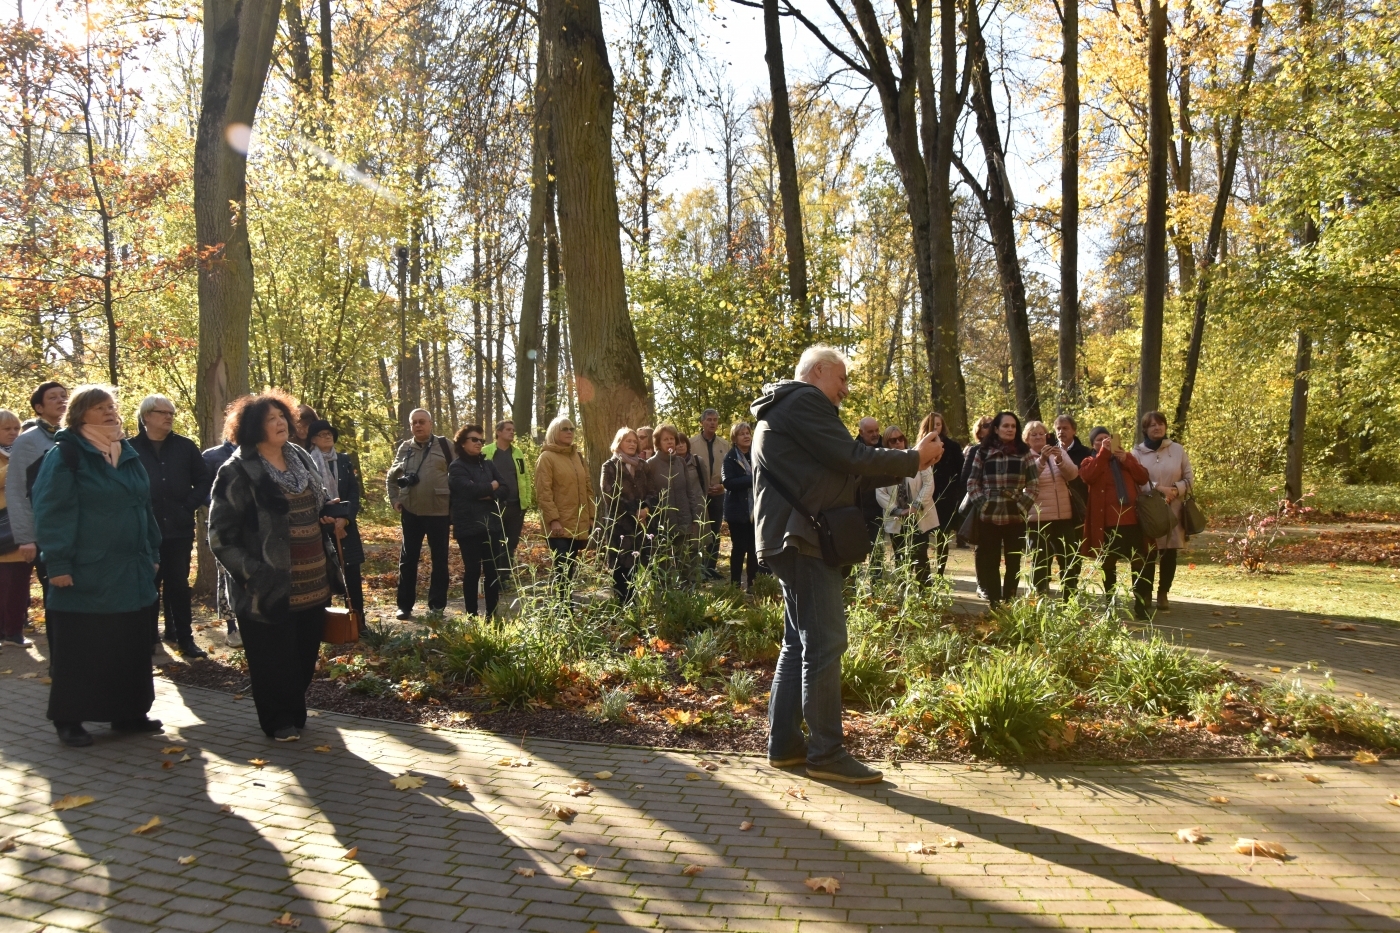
(801, 444)
(179, 484)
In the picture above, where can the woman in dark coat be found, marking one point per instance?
(343, 483)
(948, 485)
(478, 496)
(100, 541)
(737, 476)
(265, 527)
(627, 499)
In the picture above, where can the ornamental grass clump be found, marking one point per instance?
(1001, 702)
(1301, 710)
(1151, 675)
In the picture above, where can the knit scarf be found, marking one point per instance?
(107, 438)
(293, 479)
(633, 463)
(744, 460)
(1150, 444)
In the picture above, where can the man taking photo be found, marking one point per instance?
(418, 491)
(801, 445)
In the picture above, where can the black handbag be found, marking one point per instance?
(1154, 515)
(8, 544)
(969, 531)
(1193, 520)
(844, 538)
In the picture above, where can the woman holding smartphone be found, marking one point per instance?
(1051, 521)
(1110, 526)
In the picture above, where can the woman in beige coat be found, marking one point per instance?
(1169, 470)
(565, 498)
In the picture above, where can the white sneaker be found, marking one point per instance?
(234, 640)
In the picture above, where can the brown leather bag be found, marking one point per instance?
(342, 625)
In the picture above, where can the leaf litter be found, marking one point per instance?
(823, 885)
(1193, 835)
(146, 827)
(580, 788)
(408, 781)
(72, 801)
(1254, 847)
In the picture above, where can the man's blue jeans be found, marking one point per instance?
(807, 682)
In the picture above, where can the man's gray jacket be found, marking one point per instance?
(28, 448)
(800, 440)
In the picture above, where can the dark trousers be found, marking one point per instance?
(1124, 542)
(1167, 558)
(480, 559)
(513, 521)
(995, 542)
(14, 598)
(742, 550)
(709, 535)
(941, 540)
(1055, 541)
(355, 587)
(281, 662)
(911, 546)
(173, 585)
(565, 552)
(415, 527)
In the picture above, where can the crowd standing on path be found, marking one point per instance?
(108, 525)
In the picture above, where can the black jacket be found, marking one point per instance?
(180, 481)
(1079, 452)
(948, 485)
(351, 492)
(475, 507)
(738, 489)
(800, 440)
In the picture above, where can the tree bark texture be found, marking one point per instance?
(780, 126)
(1298, 418)
(300, 50)
(238, 40)
(1155, 261)
(327, 48)
(607, 363)
(1069, 206)
(1217, 226)
(557, 302)
(998, 204)
(527, 346)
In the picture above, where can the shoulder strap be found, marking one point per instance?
(446, 451)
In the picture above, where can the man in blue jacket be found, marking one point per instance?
(800, 442)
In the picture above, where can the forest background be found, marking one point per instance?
(427, 215)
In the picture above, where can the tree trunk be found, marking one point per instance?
(557, 302)
(1155, 261)
(238, 40)
(1069, 207)
(478, 367)
(780, 126)
(527, 344)
(1217, 226)
(998, 204)
(327, 58)
(1298, 418)
(301, 51)
(607, 363)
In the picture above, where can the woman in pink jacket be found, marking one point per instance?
(1050, 524)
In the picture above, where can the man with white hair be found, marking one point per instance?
(180, 481)
(806, 464)
(418, 491)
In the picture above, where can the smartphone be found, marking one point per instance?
(1115, 444)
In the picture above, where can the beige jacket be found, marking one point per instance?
(1167, 466)
(562, 491)
(700, 453)
(430, 495)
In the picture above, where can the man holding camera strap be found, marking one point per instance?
(418, 491)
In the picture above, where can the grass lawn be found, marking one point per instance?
(1343, 589)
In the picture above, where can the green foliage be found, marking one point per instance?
(740, 687)
(529, 674)
(1001, 700)
(371, 685)
(701, 655)
(1154, 676)
(648, 674)
(1362, 720)
(613, 704)
(868, 673)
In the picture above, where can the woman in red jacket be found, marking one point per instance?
(1110, 524)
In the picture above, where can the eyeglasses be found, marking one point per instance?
(562, 430)
(161, 411)
(899, 439)
(473, 440)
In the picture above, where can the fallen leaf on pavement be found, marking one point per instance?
(524, 872)
(692, 776)
(1365, 758)
(1194, 835)
(602, 775)
(322, 749)
(407, 781)
(950, 842)
(797, 793)
(921, 848)
(746, 826)
(561, 812)
(582, 871)
(1253, 847)
(509, 762)
(1393, 800)
(580, 853)
(1267, 778)
(45, 680)
(1217, 800)
(352, 853)
(1313, 779)
(226, 808)
(1217, 625)
(186, 859)
(185, 758)
(286, 920)
(825, 885)
(692, 869)
(30, 676)
(258, 762)
(580, 788)
(709, 766)
(381, 893)
(1276, 670)
(167, 765)
(7, 844)
(172, 749)
(146, 827)
(1236, 644)
(1348, 627)
(312, 713)
(70, 801)
(1367, 670)
(458, 784)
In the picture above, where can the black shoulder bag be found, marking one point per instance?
(844, 538)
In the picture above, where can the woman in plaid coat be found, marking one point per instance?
(1002, 486)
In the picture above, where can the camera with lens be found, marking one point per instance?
(408, 479)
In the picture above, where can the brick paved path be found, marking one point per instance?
(1055, 847)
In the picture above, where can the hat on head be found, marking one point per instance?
(321, 424)
(1094, 434)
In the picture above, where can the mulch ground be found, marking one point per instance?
(1377, 547)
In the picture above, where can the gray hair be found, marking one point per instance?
(84, 398)
(816, 355)
(148, 405)
(410, 414)
(551, 434)
(6, 416)
(707, 413)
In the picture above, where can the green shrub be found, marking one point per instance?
(612, 705)
(1002, 700)
(867, 673)
(466, 652)
(766, 587)
(934, 654)
(1151, 675)
(648, 675)
(701, 654)
(376, 637)
(740, 687)
(371, 685)
(680, 612)
(531, 672)
(1303, 710)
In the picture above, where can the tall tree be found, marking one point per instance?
(527, 346)
(607, 364)
(238, 41)
(1069, 203)
(780, 128)
(999, 207)
(1155, 261)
